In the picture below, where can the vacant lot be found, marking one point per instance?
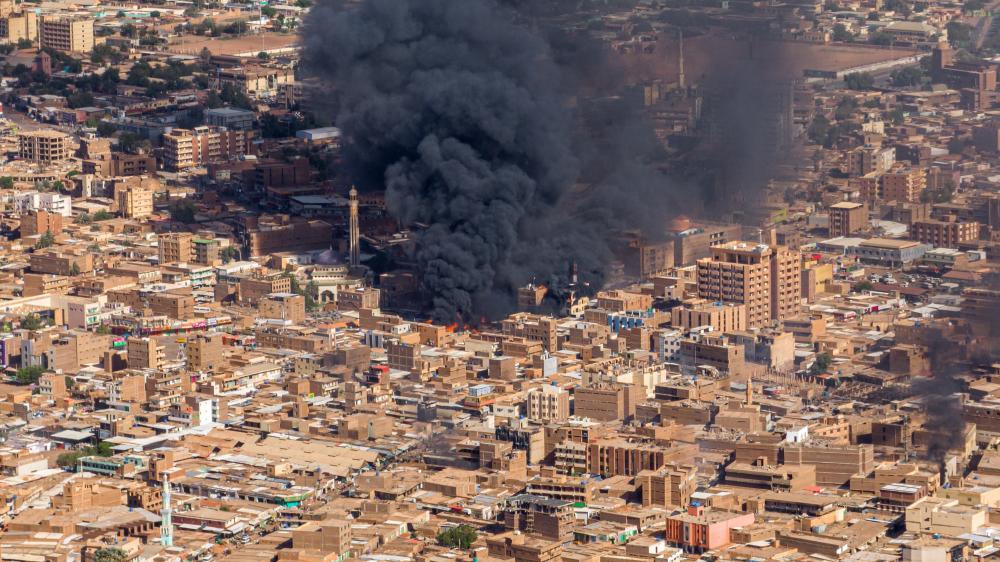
(706, 53)
(250, 44)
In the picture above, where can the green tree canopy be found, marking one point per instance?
(461, 536)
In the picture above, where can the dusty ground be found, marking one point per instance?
(702, 54)
(193, 45)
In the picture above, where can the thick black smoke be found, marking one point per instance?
(460, 110)
(455, 109)
(940, 396)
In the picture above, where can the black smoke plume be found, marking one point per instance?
(461, 111)
(939, 394)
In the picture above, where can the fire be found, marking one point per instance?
(452, 327)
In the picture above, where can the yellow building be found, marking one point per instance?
(68, 33)
(47, 146)
(134, 201)
(764, 278)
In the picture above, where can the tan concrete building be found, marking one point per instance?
(721, 316)
(187, 148)
(284, 306)
(134, 201)
(68, 33)
(903, 185)
(949, 233)
(40, 222)
(767, 280)
(45, 146)
(205, 352)
(605, 402)
(548, 403)
(847, 218)
(145, 353)
(17, 26)
(175, 247)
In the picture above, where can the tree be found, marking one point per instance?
(84, 218)
(896, 116)
(7, 182)
(840, 33)
(23, 43)
(904, 77)
(102, 215)
(106, 129)
(819, 129)
(263, 55)
(32, 322)
(230, 253)
(29, 375)
(863, 287)
(957, 145)
(959, 32)
(110, 554)
(461, 536)
(45, 241)
(75, 270)
(155, 14)
(859, 81)
(268, 11)
(880, 38)
(820, 364)
(183, 210)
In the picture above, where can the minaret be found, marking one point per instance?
(166, 521)
(355, 233)
(680, 61)
(749, 391)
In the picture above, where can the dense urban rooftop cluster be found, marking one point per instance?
(213, 347)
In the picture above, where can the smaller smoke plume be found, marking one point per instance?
(939, 394)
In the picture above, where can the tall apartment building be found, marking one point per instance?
(869, 158)
(17, 25)
(204, 352)
(134, 201)
(45, 146)
(186, 148)
(145, 353)
(175, 247)
(949, 233)
(903, 185)
(847, 217)
(548, 404)
(69, 33)
(766, 279)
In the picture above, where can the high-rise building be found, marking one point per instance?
(204, 352)
(69, 33)
(905, 184)
(548, 404)
(766, 279)
(175, 247)
(869, 158)
(44, 146)
(187, 148)
(847, 217)
(145, 353)
(134, 201)
(17, 26)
